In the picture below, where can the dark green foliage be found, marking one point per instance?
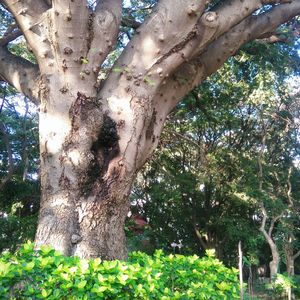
(204, 175)
(48, 275)
(19, 197)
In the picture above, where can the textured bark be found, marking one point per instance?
(96, 134)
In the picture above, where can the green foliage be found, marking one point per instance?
(204, 175)
(279, 287)
(19, 197)
(46, 274)
(283, 283)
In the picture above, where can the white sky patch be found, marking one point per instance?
(127, 3)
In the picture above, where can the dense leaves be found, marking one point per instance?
(48, 275)
(19, 192)
(202, 187)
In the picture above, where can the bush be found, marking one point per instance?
(46, 274)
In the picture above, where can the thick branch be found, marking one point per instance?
(268, 237)
(105, 29)
(250, 29)
(210, 26)
(19, 73)
(29, 14)
(289, 191)
(69, 33)
(262, 227)
(192, 73)
(158, 39)
(223, 18)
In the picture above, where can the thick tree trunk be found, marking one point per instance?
(84, 189)
(87, 222)
(90, 151)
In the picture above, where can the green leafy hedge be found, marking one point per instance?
(46, 274)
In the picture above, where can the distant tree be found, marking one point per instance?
(203, 184)
(19, 187)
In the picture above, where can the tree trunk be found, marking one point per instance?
(290, 263)
(84, 199)
(288, 251)
(274, 265)
(90, 153)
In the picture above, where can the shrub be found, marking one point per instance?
(46, 274)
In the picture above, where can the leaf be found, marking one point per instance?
(46, 249)
(29, 266)
(123, 278)
(28, 247)
(84, 60)
(81, 284)
(210, 253)
(45, 293)
(102, 288)
(117, 70)
(4, 268)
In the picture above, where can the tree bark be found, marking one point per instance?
(274, 263)
(85, 187)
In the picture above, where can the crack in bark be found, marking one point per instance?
(150, 129)
(90, 32)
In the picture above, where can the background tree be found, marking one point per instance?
(95, 132)
(19, 188)
(203, 184)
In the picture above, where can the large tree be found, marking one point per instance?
(97, 131)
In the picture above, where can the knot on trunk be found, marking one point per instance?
(210, 19)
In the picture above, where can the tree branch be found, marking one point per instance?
(209, 26)
(273, 221)
(200, 238)
(49, 3)
(11, 34)
(296, 255)
(130, 22)
(193, 72)
(29, 14)
(157, 39)
(106, 24)
(19, 73)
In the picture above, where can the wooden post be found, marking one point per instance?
(241, 270)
